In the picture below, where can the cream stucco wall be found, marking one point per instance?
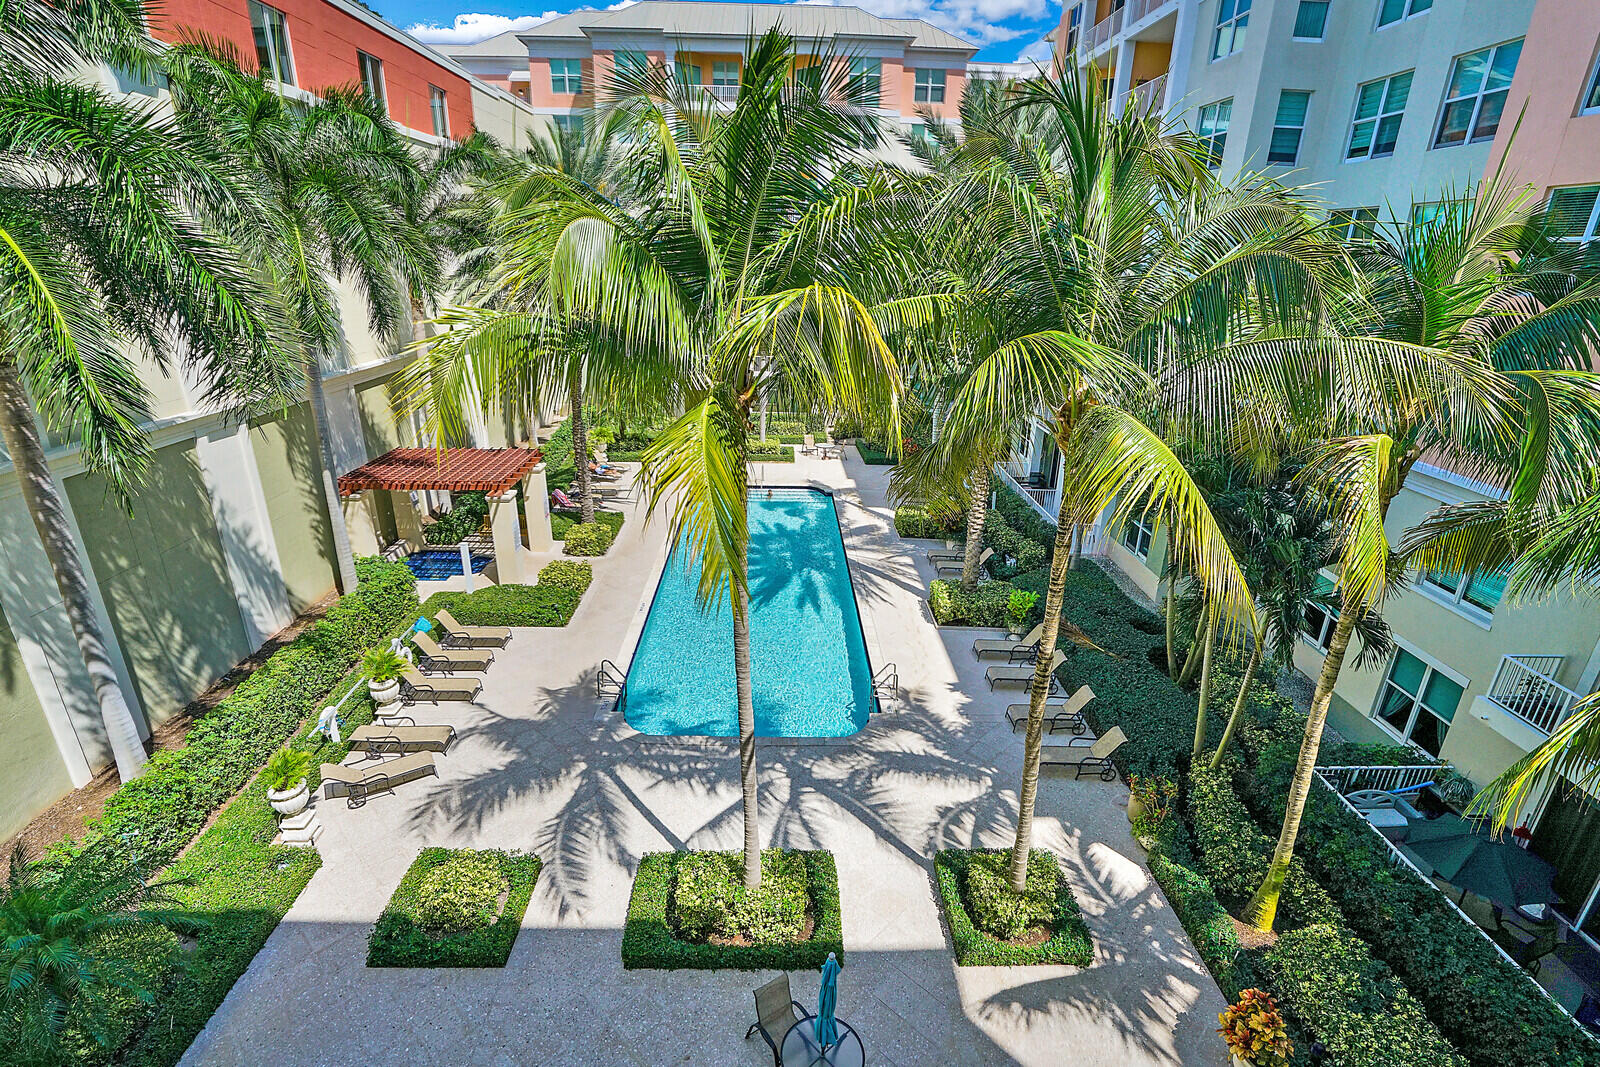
(32, 773)
(286, 455)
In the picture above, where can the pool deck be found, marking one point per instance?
(537, 769)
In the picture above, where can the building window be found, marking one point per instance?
(1213, 128)
(1288, 127)
(1321, 615)
(1482, 590)
(1379, 107)
(725, 72)
(929, 87)
(1418, 701)
(1355, 224)
(569, 124)
(1573, 214)
(437, 102)
(1074, 21)
(1311, 21)
(1391, 11)
(1232, 18)
(272, 42)
(1591, 99)
(566, 75)
(687, 74)
(1477, 95)
(372, 78)
(866, 81)
(1136, 536)
(630, 60)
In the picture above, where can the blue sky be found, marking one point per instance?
(1005, 29)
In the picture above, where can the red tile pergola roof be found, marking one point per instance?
(490, 470)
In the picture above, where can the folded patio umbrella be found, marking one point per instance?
(1469, 859)
(826, 1031)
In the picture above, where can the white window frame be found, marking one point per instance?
(1591, 232)
(276, 64)
(1455, 597)
(928, 85)
(1074, 25)
(724, 69)
(1477, 98)
(868, 71)
(1407, 15)
(1235, 25)
(1353, 217)
(439, 110)
(1431, 667)
(1140, 533)
(373, 82)
(1211, 142)
(1590, 104)
(562, 84)
(1326, 5)
(1330, 618)
(1377, 119)
(1299, 141)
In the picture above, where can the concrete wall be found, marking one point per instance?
(31, 769)
(286, 455)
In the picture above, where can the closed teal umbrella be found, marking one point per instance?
(827, 1033)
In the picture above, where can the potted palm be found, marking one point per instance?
(286, 780)
(384, 666)
(1018, 606)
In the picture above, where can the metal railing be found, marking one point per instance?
(1526, 687)
(1350, 778)
(1145, 98)
(1104, 30)
(726, 93)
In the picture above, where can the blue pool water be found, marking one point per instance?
(808, 660)
(437, 563)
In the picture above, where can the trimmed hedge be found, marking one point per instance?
(769, 452)
(648, 941)
(1009, 543)
(564, 519)
(874, 455)
(573, 575)
(912, 520)
(1204, 918)
(508, 605)
(1070, 941)
(588, 539)
(1021, 517)
(985, 605)
(158, 813)
(400, 940)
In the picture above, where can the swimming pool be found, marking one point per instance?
(808, 659)
(436, 563)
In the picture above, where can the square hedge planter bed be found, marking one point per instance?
(455, 908)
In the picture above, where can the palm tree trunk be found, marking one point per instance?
(580, 447)
(21, 436)
(747, 722)
(1034, 739)
(1263, 907)
(1192, 660)
(1205, 695)
(1076, 555)
(1172, 627)
(977, 515)
(344, 558)
(1239, 703)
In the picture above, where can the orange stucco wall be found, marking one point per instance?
(1555, 145)
(323, 42)
(1150, 60)
(540, 94)
(955, 80)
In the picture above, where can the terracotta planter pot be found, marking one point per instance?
(289, 801)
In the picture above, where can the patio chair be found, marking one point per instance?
(776, 1012)
(937, 556)
(1379, 800)
(1013, 651)
(360, 782)
(955, 569)
(388, 740)
(1066, 715)
(831, 450)
(562, 500)
(808, 445)
(433, 658)
(1528, 954)
(1588, 1013)
(1022, 674)
(1086, 755)
(457, 635)
(416, 687)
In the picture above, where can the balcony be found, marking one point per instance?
(727, 94)
(1526, 688)
(1146, 98)
(1129, 14)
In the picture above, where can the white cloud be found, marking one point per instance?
(471, 28)
(1037, 52)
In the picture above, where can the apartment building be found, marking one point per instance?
(226, 540)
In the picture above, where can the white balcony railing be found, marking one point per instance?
(1145, 98)
(1350, 778)
(1126, 15)
(728, 94)
(1526, 687)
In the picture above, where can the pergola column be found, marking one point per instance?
(536, 501)
(361, 523)
(507, 531)
(407, 523)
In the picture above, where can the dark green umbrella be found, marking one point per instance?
(1464, 855)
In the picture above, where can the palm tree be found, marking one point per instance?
(1470, 345)
(746, 253)
(1115, 244)
(341, 187)
(112, 255)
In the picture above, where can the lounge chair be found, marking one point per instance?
(416, 687)
(776, 1012)
(1528, 954)
(1087, 755)
(937, 556)
(359, 782)
(378, 739)
(562, 500)
(808, 445)
(1013, 651)
(433, 658)
(955, 569)
(1022, 673)
(457, 635)
(1065, 715)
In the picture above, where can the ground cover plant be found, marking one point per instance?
(552, 602)
(588, 539)
(455, 908)
(770, 452)
(690, 910)
(913, 520)
(992, 926)
(564, 519)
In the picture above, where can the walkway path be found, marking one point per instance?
(536, 770)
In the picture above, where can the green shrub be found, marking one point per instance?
(461, 895)
(1021, 516)
(913, 520)
(1208, 924)
(441, 919)
(1014, 552)
(559, 467)
(709, 899)
(571, 575)
(1070, 941)
(508, 605)
(1327, 981)
(588, 539)
(874, 454)
(466, 516)
(996, 910)
(287, 768)
(984, 605)
(648, 940)
(564, 519)
(770, 452)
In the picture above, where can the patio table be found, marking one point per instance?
(800, 1046)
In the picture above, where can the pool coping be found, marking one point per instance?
(610, 713)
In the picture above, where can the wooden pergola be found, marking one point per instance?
(457, 470)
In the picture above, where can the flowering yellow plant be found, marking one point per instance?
(1254, 1030)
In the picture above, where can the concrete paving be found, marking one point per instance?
(537, 769)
